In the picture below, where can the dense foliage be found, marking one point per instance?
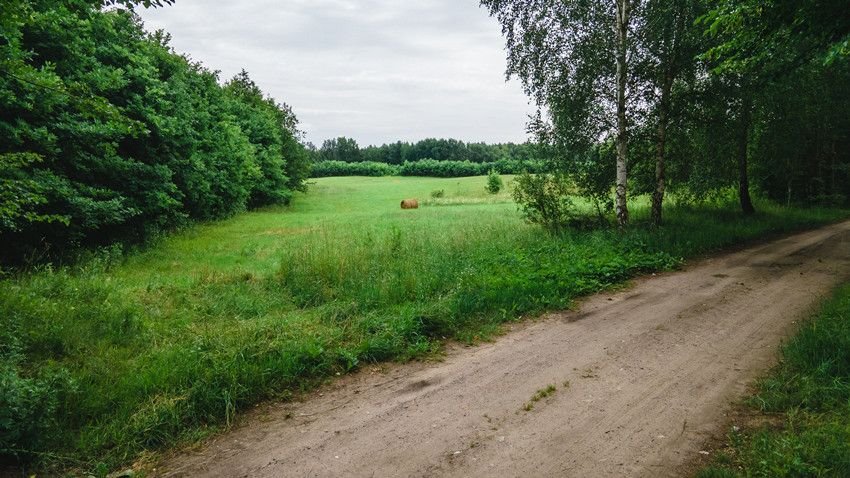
(326, 169)
(765, 37)
(108, 135)
(424, 167)
(719, 94)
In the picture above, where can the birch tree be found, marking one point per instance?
(623, 17)
(573, 60)
(669, 42)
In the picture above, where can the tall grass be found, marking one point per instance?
(104, 361)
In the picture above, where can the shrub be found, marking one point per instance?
(494, 182)
(544, 200)
(29, 403)
(438, 193)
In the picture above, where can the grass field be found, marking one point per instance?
(124, 354)
(807, 402)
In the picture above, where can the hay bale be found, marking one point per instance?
(410, 204)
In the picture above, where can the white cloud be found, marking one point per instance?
(375, 70)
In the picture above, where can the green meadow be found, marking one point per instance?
(127, 353)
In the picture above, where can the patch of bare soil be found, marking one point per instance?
(652, 373)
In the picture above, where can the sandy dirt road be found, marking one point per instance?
(651, 372)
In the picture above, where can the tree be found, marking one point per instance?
(772, 37)
(272, 130)
(623, 16)
(99, 145)
(669, 44)
(572, 58)
(800, 146)
(494, 182)
(745, 120)
(606, 86)
(760, 42)
(133, 3)
(340, 149)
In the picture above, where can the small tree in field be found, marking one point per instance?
(494, 182)
(544, 200)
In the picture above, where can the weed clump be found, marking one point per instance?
(540, 395)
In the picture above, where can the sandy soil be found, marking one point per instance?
(651, 371)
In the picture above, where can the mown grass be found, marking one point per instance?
(810, 392)
(124, 354)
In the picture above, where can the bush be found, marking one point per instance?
(513, 166)
(494, 182)
(436, 194)
(28, 410)
(29, 405)
(544, 200)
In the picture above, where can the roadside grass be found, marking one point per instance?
(810, 391)
(125, 354)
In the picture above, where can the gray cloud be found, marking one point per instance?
(375, 70)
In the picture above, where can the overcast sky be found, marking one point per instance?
(375, 70)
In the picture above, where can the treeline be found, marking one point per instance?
(425, 167)
(107, 134)
(696, 97)
(500, 156)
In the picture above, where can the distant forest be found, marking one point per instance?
(347, 150)
(429, 157)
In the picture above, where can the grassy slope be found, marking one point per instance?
(810, 392)
(102, 362)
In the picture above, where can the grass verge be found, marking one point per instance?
(808, 397)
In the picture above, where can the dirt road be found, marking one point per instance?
(651, 372)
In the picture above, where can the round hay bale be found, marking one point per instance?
(410, 204)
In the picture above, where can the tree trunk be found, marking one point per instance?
(622, 138)
(661, 150)
(743, 146)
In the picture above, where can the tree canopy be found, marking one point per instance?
(769, 37)
(720, 95)
(107, 134)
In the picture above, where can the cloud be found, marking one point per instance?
(375, 70)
